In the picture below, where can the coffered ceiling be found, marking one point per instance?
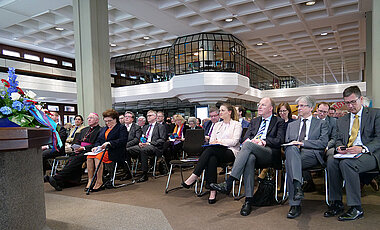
(318, 44)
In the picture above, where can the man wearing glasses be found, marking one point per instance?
(357, 133)
(307, 139)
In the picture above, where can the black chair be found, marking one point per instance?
(192, 147)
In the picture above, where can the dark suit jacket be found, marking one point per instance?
(244, 123)
(79, 137)
(332, 131)
(317, 137)
(275, 136)
(118, 138)
(63, 135)
(207, 127)
(134, 135)
(158, 137)
(369, 131)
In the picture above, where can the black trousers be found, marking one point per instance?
(72, 172)
(210, 159)
(144, 154)
(49, 154)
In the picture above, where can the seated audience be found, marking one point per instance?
(83, 142)
(262, 142)
(151, 144)
(285, 112)
(115, 136)
(78, 126)
(134, 135)
(224, 146)
(177, 137)
(48, 151)
(121, 119)
(309, 137)
(199, 123)
(357, 133)
(332, 112)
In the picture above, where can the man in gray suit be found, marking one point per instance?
(308, 137)
(322, 111)
(357, 133)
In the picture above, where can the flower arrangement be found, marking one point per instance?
(15, 103)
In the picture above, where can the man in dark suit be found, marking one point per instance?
(134, 134)
(357, 133)
(262, 143)
(71, 174)
(308, 137)
(48, 152)
(152, 145)
(209, 125)
(241, 111)
(322, 111)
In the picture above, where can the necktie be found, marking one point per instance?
(354, 131)
(261, 130)
(147, 133)
(72, 135)
(212, 127)
(303, 131)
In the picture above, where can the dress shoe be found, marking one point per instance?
(187, 186)
(46, 178)
(246, 208)
(143, 178)
(127, 176)
(294, 211)
(54, 183)
(352, 214)
(334, 209)
(222, 172)
(222, 188)
(212, 201)
(298, 193)
(98, 189)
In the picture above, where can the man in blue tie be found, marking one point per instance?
(262, 143)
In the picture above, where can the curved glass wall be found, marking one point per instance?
(203, 52)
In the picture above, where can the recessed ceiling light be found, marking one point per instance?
(146, 38)
(275, 55)
(59, 28)
(324, 33)
(196, 54)
(112, 44)
(260, 44)
(330, 48)
(310, 3)
(229, 19)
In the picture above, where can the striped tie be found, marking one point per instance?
(261, 130)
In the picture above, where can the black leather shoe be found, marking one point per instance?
(308, 186)
(143, 178)
(97, 189)
(246, 209)
(298, 193)
(53, 183)
(294, 211)
(46, 178)
(187, 186)
(334, 209)
(212, 201)
(126, 177)
(352, 214)
(222, 187)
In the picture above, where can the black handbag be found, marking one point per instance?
(264, 195)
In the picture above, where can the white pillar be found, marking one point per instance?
(375, 54)
(92, 58)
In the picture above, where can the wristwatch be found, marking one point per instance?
(364, 150)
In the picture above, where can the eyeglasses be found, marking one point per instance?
(283, 111)
(149, 115)
(353, 102)
(108, 121)
(321, 111)
(301, 106)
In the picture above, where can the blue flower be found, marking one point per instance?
(17, 105)
(12, 81)
(5, 110)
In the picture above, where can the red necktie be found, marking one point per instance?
(147, 133)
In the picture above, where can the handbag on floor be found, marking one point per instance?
(264, 195)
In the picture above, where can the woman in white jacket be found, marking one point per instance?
(224, 146)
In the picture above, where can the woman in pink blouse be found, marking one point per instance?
(225, 145)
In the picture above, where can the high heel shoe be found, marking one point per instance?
(212, 201)
(98, 189)
(188, 186)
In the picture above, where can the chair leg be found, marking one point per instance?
(169, 176)
(326, 188)
(285, 195)
(199, 192)
(53, 168)
(237, 196)
(276, 186)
